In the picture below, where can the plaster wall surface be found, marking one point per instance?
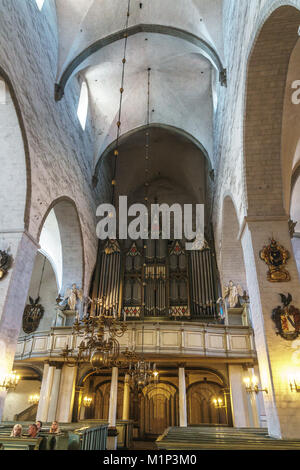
(60, 152)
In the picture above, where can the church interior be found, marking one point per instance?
(139, 342)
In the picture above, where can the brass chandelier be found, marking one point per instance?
(9, 381)
(140, 371)
(100, 331)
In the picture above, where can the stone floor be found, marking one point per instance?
(143, 445)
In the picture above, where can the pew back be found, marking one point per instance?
(20, 443)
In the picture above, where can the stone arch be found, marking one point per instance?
(171, 129)
(16, 170)
(231, 257)
(214, 374)
(273, 47)
(72, 249)
(74, 65)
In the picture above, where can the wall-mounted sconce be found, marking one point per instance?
(9, 381)
(219, 403)
(87, 401)
(33, 399)
(295, 385)
(252, 385)
(155, 374)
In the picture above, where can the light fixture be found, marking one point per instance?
(219, 403)
(87, 401)
(140, 371)
(9, 381)
(34, 399)
(100, 331)
(252, 385)
(294, 385)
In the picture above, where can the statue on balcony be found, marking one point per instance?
(72, 297)
(233, 293)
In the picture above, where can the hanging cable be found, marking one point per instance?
(119, 122)
(147, 143)
(43, 269)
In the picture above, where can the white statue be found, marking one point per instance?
(71, 297)
(233, 293)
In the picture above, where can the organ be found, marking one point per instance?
(150, 279)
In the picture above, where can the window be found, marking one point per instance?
(83, 105)
(40, 4)
(2, 92)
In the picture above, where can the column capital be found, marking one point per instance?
(57, 365)
(260, 218)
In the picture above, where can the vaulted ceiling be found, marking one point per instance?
(180, 40)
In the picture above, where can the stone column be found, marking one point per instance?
(275, 355)
(66, 394)
(42, 392)
(112, 413)
(239, 400)
(182, 398)
(13, 296)
(260, 403)
(78, 405)
(126, 398)
(45, 394)
(54, 394)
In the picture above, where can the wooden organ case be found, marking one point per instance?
(151, 279)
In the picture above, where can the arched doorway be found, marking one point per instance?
(200, 406)
(158, 409)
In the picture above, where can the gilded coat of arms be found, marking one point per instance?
(287, 319)
(276, 257)
(32, 315)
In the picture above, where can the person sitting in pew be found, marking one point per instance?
(39, 426)
(17, 431)
(54, 428)
(32, 431)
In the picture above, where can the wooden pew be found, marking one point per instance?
(20, 443)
